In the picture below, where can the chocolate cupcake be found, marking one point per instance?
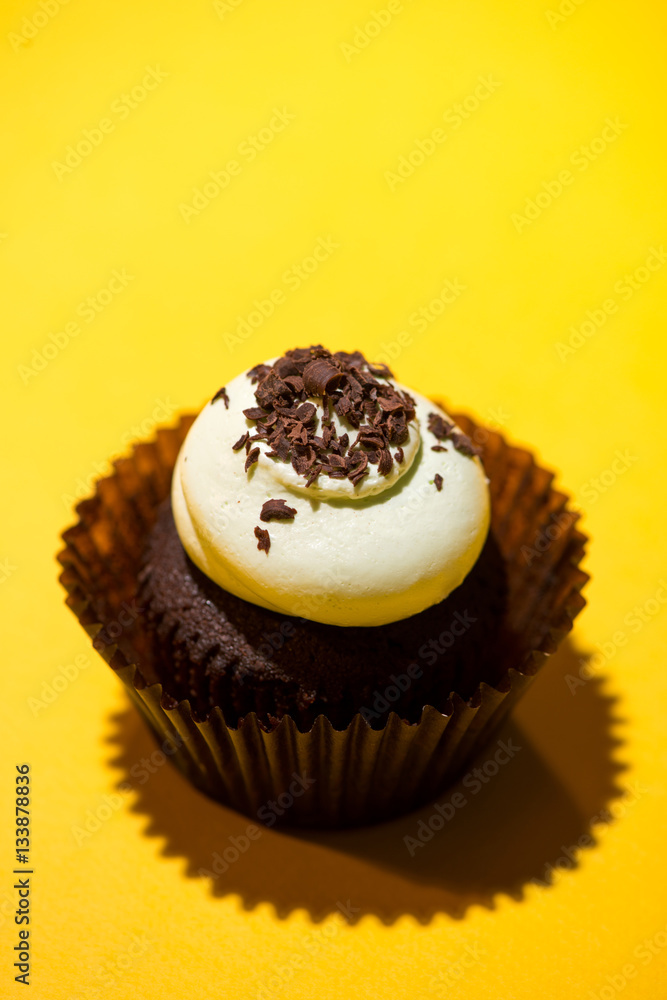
(320, 594)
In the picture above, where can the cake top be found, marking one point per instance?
(377, 503)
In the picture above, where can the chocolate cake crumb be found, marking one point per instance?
(277, 509)
(437, 479)
(222, 394)
(264, 541)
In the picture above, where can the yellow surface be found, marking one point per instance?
(461, 919)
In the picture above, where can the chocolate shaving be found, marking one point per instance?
(393, 403)
(357, 475)
(277, 509)
(259, 371)
(281, 447)
(296, 382)
(438, 447)
(384, 462)
(264, 541)
(463, 444)
(320, 377)
(241, 441)
(443, 430)
(438, 426)
(313, 474)
(380, 369)
(287, 419)
(305, 413)
(285, 367)
(252, 458)
(222, 394)
(437, 479)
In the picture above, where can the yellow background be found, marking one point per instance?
(461, 919)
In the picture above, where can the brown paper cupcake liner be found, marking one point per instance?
(323, 776)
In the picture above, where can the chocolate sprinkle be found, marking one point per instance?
(222, 394)
(241, 441)
(252, 458)
(445, 431)
(277, 509)
(437, 479)
(287, 421)
(264, 541)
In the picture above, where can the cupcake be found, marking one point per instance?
(335, 601)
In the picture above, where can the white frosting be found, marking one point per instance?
(364, 555)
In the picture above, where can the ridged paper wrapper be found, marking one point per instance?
(359, 774)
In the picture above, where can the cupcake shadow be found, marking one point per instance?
(533, 804)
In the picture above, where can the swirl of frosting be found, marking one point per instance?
(317, 486)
